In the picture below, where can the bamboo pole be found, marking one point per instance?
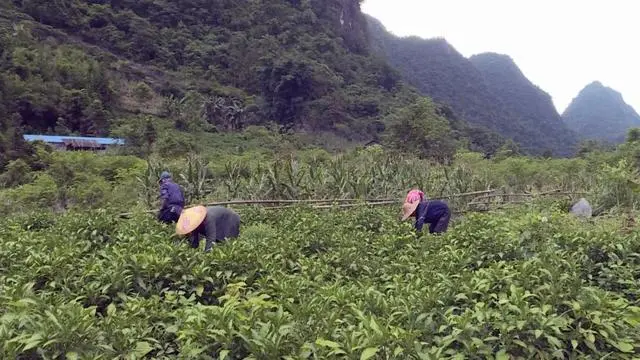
(528, 195)
(339, 206)
(275, 201)
(358, 202)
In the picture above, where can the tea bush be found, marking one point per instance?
(303, 284)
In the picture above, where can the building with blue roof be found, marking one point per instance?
(76, 142)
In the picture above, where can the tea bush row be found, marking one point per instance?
(303, 284)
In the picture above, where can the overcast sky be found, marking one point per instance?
(560, 45)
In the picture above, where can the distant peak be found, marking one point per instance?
(596, 84)
(375, 21)
(596, 87)
(492, 56)
(439, 41)
(600, 112)
(495, 62)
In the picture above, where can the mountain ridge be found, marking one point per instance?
(599, 112)
(438, 70)
(533, 106)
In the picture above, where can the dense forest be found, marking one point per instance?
(600, 113)
(173, 70)
(491, 93)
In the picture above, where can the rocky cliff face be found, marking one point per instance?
(347, 20)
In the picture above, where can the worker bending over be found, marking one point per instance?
(215, 223)
(433, 212)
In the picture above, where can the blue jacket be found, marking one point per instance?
(430, 211)
(171, 194)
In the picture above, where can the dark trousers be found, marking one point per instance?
(195, 242)
(194, 238)
(169, 214)
(441, 225)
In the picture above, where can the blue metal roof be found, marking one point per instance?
(60, 139)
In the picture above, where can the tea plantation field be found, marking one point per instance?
(316, 284)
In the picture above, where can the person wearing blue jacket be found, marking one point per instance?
(172, 199)
(436, 213)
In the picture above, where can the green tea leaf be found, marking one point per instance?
(502, 355)
(32, 342)
(172, 329)
(327, 343)
(111, 309)
(399, 350)
(223, 354)
(142, 348)
(369, 353)
(591, 338)
(624, 347)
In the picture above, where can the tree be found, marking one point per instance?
(142, 93)
(507, 150)
(420, 130)
(589, 146)
(18, 173)
(633, 135)
(150, 135)
(140, 135)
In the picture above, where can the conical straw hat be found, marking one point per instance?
(190, 219)
(408, 209)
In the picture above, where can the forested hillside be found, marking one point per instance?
(600, 113)
(124, 67)
(434, 67)
(290, 63)
(500, 99)
(539, 126)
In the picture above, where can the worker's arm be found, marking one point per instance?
(164, 194)
(421, 215)
(210, 231)
(193, 239)
(419, 223)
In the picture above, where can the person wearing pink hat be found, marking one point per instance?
(436, 213)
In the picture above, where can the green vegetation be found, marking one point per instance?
(81, 180)
(257, 164)
(276, 100)
(194, 69)
(77, 68)
(77, 281)
(519, 284)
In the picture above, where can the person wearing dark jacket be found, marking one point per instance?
(436, 213)
(172, 199)
(219, 224)
(215, 223)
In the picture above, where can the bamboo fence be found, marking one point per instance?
(485, 198)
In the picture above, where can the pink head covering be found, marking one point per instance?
(413, 196)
